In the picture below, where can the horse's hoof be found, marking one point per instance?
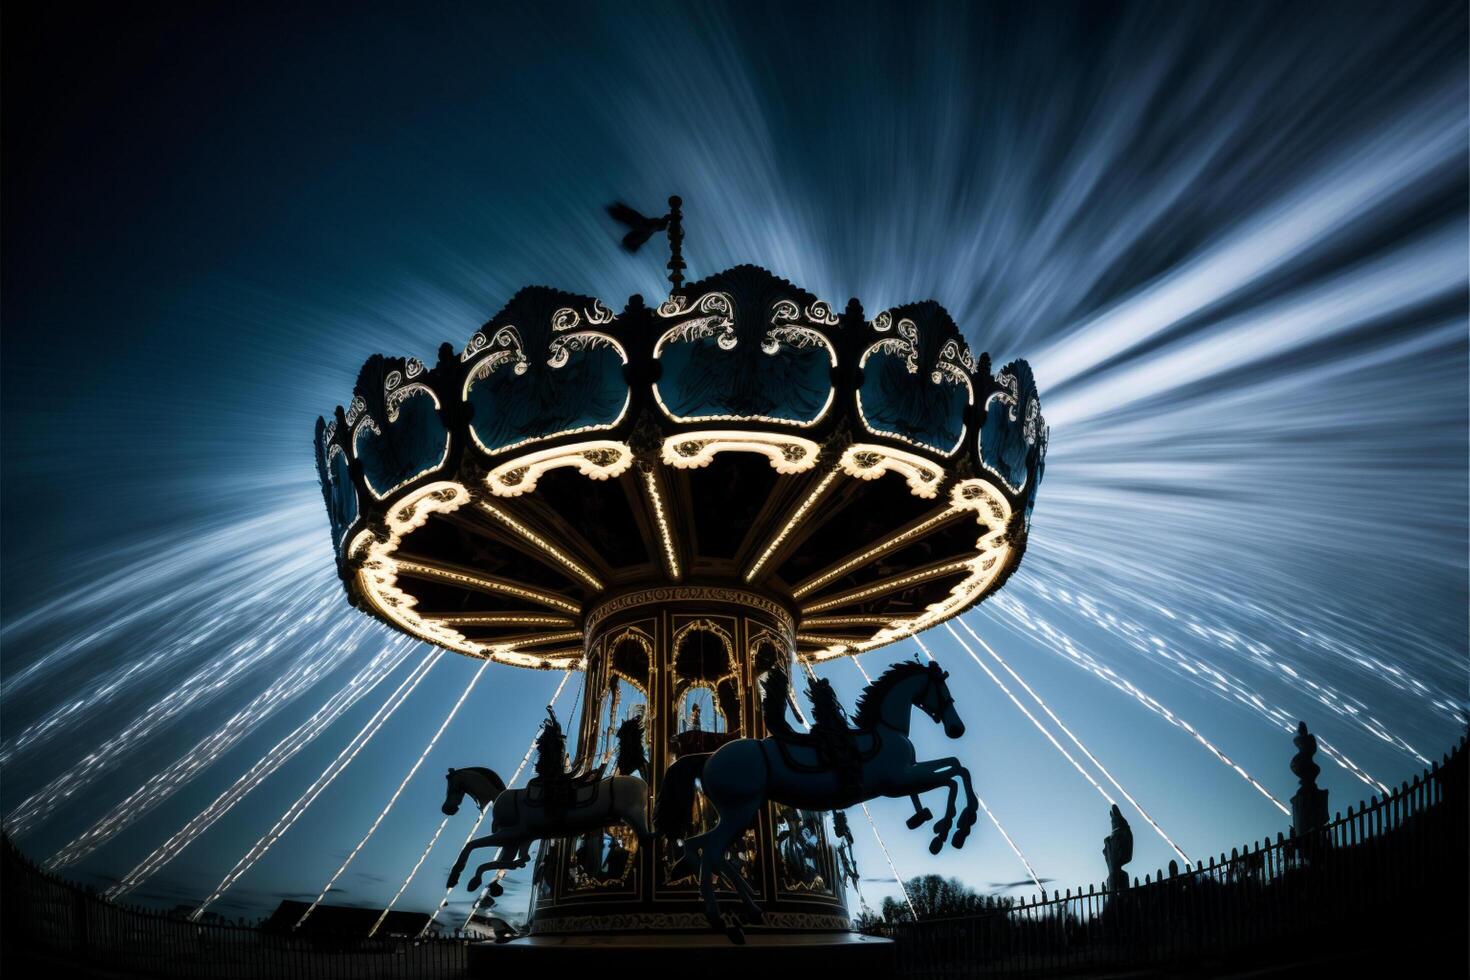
(497, 889)
(736, 934)
(959, 837)
(918, 818)
(474, 884)
(936, 845)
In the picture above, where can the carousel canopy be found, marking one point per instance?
(873, 477)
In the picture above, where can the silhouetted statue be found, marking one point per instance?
(744, 774)
(554, 804)
(1309, 805)
(1118, 850)
(694, 724)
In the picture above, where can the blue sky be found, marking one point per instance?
(1229, 238)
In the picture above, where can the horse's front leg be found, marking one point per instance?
(923, 777)
(510, 846)
(464, 855)
(921, 813)
(957, 773)
(942, 825)
(972, 806)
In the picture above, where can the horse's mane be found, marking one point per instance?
(870, 702)
(489, 774)
(482, 770)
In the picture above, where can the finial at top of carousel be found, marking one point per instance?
(871, 477)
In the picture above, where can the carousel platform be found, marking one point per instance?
(703, 956)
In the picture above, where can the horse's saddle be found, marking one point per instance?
(568, 793)
(818, 745)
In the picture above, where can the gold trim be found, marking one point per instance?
(688, 593)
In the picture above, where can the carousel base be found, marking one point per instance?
(705, 956)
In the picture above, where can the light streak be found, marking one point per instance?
(334, 769)
(1075, 741)
(306, 672)
(362, 684)
(434, 839)
(1153, 705)
(396, 793)
(1029, 716)
(206, 683)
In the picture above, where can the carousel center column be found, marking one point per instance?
(689, 661)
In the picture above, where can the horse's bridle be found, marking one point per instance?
(946, 699)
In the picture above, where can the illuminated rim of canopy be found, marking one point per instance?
(959, 477)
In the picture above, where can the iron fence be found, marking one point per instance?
(49, 921)
(1396, 862)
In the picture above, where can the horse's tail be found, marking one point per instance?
(676, 795)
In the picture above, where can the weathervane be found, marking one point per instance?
(641, 229)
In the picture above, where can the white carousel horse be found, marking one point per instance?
(744, 774)
(520, 817)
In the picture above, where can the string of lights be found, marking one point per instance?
(396, 793)
(363, 683)
(1075, 740)
(1148, 701)
(334, 769)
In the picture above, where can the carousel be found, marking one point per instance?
(691, 503)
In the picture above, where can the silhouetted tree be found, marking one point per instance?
(934, 897)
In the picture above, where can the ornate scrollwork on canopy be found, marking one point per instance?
(917, 379)
(749, 347)
(742, 432)
(560, 381)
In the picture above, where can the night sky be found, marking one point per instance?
(1229, 237)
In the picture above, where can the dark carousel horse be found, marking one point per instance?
(744, 774)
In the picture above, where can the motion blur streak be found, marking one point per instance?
(294, 615)
(170, 780)
(1075, 740)
(334, 769)
(377, 821)
(361, 684)
(1220, 681)
(1063, 645)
